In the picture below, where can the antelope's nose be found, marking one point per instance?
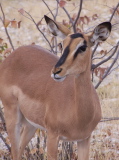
(56, 71)
(56, 76)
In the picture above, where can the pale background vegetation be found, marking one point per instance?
(105, 138)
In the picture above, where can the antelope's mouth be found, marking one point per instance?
(57, 78)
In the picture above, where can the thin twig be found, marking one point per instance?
(40, 19)
(6, 31)
(55, 38)
(113, 12)
(109, 21)
(48, 8)
(70, 19)
(39, 30)
(2, 118)
(93, 52)
(113, 69)
(56, 11)
(104, 54)
(105, 60)
(109, 119)
(78, 15)
(4, 140)
(108, 70)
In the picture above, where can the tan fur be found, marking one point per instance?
(68, 110)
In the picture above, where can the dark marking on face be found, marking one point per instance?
(76, 35)
(81, 49)
(63, 57)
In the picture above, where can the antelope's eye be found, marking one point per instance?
(81, 49)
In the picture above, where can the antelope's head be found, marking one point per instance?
(76, 48)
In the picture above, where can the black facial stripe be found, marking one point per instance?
(81, 49)
(76, 35)
(63, 57)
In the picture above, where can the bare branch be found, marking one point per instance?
(31, 18)
(2, 118)
(56, 12)
(4, 140)
(93, 52)
(114, 69)
(109, 21)
(105, 60)
(100, 57)
(108, 70)
(71, 21)
(78, 15)
(55, 39)
(103, 55)
(40, 19)
(113, 12)
(109, 119)
(6, 31)
(48, 8)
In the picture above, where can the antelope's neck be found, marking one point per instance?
(83, 85)
(84, 94)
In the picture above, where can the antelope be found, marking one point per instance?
(40, 90)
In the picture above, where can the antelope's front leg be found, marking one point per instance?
(52, 145)
(83, 149)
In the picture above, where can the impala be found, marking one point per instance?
(39, 90)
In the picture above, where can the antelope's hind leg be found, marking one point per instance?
(27, 133)
(83, 149)
(19, 130)
(13, 118)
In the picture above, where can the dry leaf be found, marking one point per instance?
(62, 3)
(21, 11)
(33, 43)
(43, 133)
(86, 19)
(94, 17)
(33, 150)
(41, 150)
(109, 132)
(8, 50)
(6, 23)
(103, 52)
(65, 23)
(39, 23)
(19, 24)
(99, 72)
(38, 132)
(74, 16)
(14, 24)
(7, 140)
(1, 40)
(78, 30)
(5, 45)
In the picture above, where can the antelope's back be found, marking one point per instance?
(28, 67)
(26, 81)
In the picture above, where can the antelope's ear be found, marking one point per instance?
(100, 33)
(56, 28)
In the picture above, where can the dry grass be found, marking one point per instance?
(105, 138)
